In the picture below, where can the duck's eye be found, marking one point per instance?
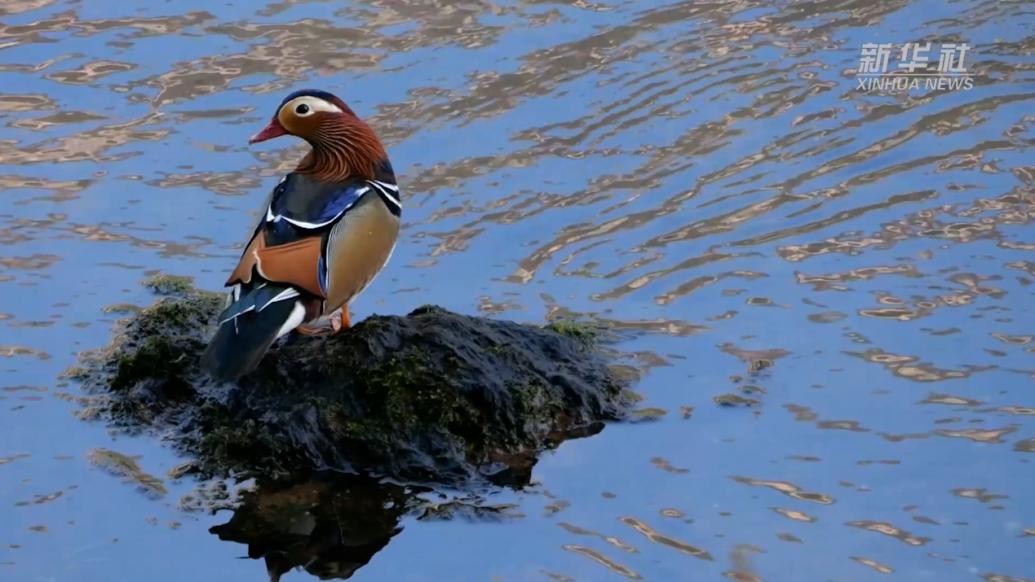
(302, 109)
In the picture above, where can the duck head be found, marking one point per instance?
(302, 113)
(343, 145)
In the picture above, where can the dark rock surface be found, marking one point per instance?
(432, 396)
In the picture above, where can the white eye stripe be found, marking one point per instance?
(313, 104)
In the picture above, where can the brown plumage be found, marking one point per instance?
(347, 147)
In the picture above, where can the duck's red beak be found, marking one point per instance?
(274, 129)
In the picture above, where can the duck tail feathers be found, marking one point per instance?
(249, 326)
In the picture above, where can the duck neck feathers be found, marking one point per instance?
(344, 147)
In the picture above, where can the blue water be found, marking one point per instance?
(705, 178)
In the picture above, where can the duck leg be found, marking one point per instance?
(340, 319)
(332, 323)
(314, 329)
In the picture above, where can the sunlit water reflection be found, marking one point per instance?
(851, 270)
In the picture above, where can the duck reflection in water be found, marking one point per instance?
(329, 526)
(332, 524)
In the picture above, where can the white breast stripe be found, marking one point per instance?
(270, 217)
(392, 187)
(381, 187)
(310, 225)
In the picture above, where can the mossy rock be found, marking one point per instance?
(164, 284)
(432, 396)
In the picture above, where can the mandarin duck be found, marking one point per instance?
(328, 228)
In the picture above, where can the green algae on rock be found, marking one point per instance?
(126, 467)
(431, 396)
(164, 284)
